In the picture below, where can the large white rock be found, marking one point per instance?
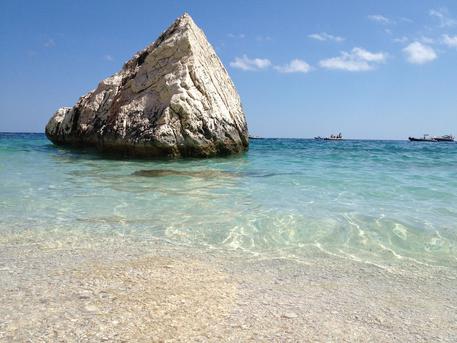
(174, 98)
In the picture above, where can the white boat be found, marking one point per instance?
(445, 138)
(428, 138)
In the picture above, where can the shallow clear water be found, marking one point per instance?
(374, 201)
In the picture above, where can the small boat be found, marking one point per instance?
(425, 138)
(255, 137)
(428, 138)
(445, 138)
(338, 137)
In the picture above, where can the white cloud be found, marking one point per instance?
(442, 15)
(358, 59)
(50, 43)
(108, 58)
(418, 53)
(377, 57)
(403, 39)
(246, 63)
(254, 64)
(295, 66)
(378, 18)
(324, 36)
(450, 41)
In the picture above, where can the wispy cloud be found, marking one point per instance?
(406, 20)
(427, 40)
(236, 35)
(419, 53)
(443, 17)
(450, 41)
(50, 43)
(294, 66)
(108, 58)
(401, 40)
(246, 63)
(261, 38)
(358, 59)
(324, 36)
(378, 18)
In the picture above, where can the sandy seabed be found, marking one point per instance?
(92, 289)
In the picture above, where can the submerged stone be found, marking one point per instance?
(173, 99)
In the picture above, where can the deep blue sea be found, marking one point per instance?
(374, 201)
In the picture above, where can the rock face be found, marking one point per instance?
(174, 99)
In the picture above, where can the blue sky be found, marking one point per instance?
(370, 69)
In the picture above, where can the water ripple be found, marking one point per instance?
(369, 201)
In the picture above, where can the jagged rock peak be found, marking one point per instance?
(174, 98)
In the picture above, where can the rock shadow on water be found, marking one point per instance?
(203, 174)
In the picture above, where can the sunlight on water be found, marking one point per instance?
(363, 200)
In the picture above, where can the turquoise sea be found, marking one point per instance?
(376, 201)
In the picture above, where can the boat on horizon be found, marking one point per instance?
(338, 137)
(445, 138)
(428, 138)
(256, 137)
